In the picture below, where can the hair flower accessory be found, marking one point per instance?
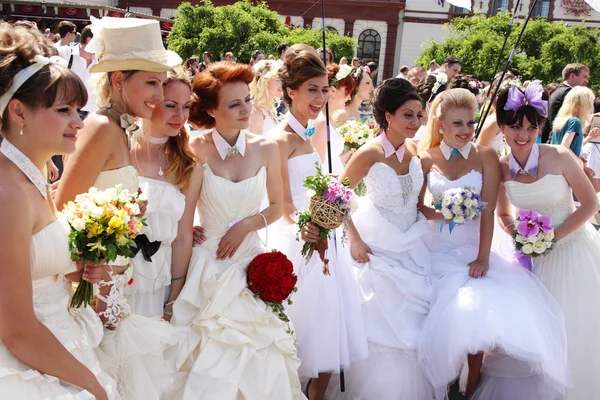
(440, 80)
(530, 97)
(357, 75)
(344, 71)
(475, 84)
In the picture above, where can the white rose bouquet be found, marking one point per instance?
(459, 205)
(356, 134)
(533, 236)
(103, 225)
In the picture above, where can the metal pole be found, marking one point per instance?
(329, 161)
(510, 58)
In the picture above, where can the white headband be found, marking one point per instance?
(21, 77)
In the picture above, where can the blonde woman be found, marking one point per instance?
(265, 88)
(567, 127)
(481, 301)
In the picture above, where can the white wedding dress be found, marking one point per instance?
(394, 286)
(151, 279)
(232, 346)
(326, 309)
(571, 272)
(508, 313)
(79, 332)
(132, 352)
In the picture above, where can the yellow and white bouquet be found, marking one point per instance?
(104, 225)
(356, 134)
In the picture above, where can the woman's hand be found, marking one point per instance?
(199, 235)
(98, 392)
(478, 268)
(360, 251)
(310, 233)
(52, 170)
(232, 240)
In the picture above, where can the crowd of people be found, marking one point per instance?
(407, 303)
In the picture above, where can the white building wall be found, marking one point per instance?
(141, 10)
(337, 23)
(415, 37)
(379, 26)
(168, 12)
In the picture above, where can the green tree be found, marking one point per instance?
(341, 46)
(242, 28)
(545, 49)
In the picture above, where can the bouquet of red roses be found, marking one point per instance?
(271, 278)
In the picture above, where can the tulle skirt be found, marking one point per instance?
(571, 272)
(326, 310)
(507, 311)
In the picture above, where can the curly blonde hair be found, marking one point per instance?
(264, 72)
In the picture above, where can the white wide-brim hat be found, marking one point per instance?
(129, 44)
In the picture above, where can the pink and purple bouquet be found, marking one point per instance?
(331, 204)
(533, 236)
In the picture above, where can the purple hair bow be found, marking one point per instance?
(532, 97)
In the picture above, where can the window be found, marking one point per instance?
(332, 30)
(542, 9)
(501, 5)
(369, 45)
(461, 10)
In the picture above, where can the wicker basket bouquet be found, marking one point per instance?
(330, 205)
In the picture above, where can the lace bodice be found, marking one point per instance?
(464, 234)
(395, 196)
(550, 195)
(298, 169)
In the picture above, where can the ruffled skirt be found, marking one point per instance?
(231, 345)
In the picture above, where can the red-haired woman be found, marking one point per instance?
(235, 346)
(341, 85)
(170, 178)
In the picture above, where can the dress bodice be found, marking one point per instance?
(395, 196)
(550, 195)
(165, 208)
(337, 148)
(126, 176)
(298, 169)
(223, 203)
(50, 254)
(463, 234)
(268, 123)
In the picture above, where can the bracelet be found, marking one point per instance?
(178, 278)
(169, 313)
(170, 303)
(507, 226)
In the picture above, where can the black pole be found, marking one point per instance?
(510, 58)
(512, 20)
(329, 163)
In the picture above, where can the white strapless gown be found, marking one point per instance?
(133, 352)
(571, 272)
(508, 313)
(149, 291)
(326, 311)
(394, 286)
(232, 346)
(79, 332)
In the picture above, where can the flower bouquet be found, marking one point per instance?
(271, 278)
(533, 236)
(103, 225)
(459, 205)
(355, 134)
(331, 203)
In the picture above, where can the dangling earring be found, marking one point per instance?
(21, 132)
(442, 131)
(179, 134)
